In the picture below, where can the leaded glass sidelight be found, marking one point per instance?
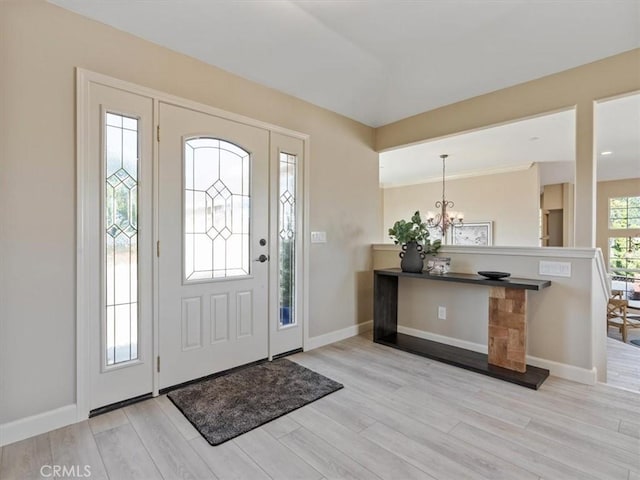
(287, 240)
(121, 238)
(216, 209)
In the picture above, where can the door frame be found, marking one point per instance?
(86, 303)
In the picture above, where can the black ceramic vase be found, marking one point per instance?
(412, 257)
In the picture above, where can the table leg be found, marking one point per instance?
(508, 328)
(385, 306)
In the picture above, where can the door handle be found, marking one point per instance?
(262, 258)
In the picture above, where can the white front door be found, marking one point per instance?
(117, 225)
(213, 230)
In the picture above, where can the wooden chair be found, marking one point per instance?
(617, 316)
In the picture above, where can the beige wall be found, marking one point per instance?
(614, 188)
(40, 47)
(510, 200)
(552, 197)
(568, 209)
(559, 196)
(578, 88)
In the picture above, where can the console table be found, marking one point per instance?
(507, 326)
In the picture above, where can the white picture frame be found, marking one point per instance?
(435, 234)
(473, 234)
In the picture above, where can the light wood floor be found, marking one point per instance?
(398, 417)
(623, 361)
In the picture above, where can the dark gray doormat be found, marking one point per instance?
(224, 407)
(635, 342)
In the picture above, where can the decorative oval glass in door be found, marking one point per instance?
(216, 209)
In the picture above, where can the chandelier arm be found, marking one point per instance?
(443, 183)
(442, 220)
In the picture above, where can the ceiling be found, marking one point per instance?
(617, 124)
(547, 140)
(380, 61)
(513, 146)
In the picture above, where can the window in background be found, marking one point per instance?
(624, 213)
(624, 265)
(624, 250)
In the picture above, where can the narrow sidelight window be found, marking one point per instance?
(121, 238)
(287, 229)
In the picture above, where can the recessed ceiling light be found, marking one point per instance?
(607, 152)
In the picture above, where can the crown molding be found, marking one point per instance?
(459, 176)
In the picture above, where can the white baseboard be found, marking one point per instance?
(332, 337)
(36, 424)
(456, 342)
(563, 370)
(22, 428)
(557, 369)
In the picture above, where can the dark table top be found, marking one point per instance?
(510, 282)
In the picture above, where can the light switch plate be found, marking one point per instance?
(318, 237)
(555, 269)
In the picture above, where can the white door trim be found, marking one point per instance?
(83, 270)
(82, 305)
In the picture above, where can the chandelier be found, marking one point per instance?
(445, 218)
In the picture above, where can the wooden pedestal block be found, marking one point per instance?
(508, 328)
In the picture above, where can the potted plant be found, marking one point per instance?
(413, 235)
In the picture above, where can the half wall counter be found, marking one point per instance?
(559, 323)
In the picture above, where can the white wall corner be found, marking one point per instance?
(337, 335)
(22, 428)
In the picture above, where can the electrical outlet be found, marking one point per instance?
(442, 313)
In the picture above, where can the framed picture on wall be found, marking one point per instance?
(479, 233)
(435, 234)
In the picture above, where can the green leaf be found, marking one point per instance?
(413, 230)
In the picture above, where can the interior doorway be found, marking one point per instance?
(617, 123)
